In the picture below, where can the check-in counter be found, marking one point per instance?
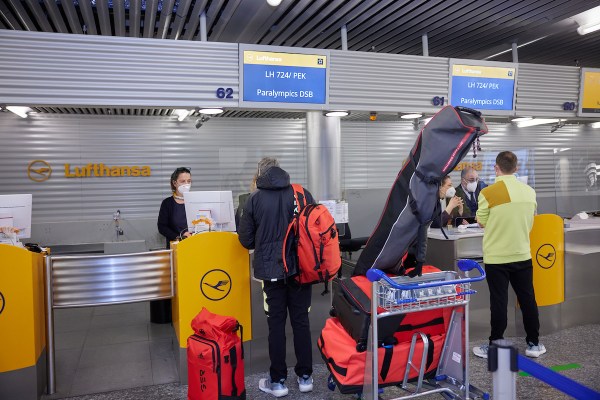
(444, 253)
(22, 324)
(211, 270)
(581, 278)
(582, 275)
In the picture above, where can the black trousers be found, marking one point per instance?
(282, 298)
(520, 276)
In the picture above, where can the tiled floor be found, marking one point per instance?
(577, 347)
(100, 349)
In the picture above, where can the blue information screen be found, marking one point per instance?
(483, 88)
(285, 78)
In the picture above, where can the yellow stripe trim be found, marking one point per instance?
(285, 59)
(496, 194)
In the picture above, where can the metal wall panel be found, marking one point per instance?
(222, 154)
(63, 69)
(373, 152)
(386, 82)
(94, 280)
(543, 89)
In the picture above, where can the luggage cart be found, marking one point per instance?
(400, 295)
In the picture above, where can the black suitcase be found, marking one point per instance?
(351, 304)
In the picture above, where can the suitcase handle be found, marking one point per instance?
(375, 275)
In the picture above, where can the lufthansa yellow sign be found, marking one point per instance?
(106, 170)
(285, 59)
(40, 170)
(590, 97)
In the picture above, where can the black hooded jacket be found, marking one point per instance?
(264, 222)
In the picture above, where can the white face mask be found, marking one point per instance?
(450, 192)
(184, 188)
(472, 187)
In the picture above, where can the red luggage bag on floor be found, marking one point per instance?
(347, 365)
(215, 358)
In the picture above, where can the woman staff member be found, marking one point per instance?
(172, 224)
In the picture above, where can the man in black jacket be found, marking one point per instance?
(263, 225)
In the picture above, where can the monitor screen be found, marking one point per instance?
(218, 205)
(15, 211)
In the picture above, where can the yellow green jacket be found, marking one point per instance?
(506, 210)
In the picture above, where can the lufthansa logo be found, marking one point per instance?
(215, 284)
(546, 256)
(39, 170)
(2, 302)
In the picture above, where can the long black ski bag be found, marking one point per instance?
(410, 206)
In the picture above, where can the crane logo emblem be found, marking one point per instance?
(546, 256)
(215, 284)
(2, 302)
(39, 171)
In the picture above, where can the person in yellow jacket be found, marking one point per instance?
(506, 210)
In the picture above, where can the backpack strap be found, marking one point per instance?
(300, 203)
(299, 197)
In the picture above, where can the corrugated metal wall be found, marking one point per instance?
(373, 152)
(386, 82)
(222, 155)
(62, 69)
(543, 89)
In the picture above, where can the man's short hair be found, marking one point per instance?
(266, 163)
(507, 162)
(465, 171)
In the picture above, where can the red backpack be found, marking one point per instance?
(215, 356)
(317, 241)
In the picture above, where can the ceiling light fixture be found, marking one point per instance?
(181, 114)
(518, 47)
(411, 116)
(595, 124)
(274, 3)
(338, 113)
(20, 111)
(585, 29)
(538, 121)
(210, 111)
(521, 119)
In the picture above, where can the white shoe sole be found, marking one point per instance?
(534, 354)
(276, 393)
(304, 388)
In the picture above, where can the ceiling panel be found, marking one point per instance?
(474, 29)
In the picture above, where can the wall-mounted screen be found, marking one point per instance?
(589, 93)
(484, 86)
(15, 212)
(283, 77)
(216, 205)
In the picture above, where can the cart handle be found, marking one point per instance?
(374, 275)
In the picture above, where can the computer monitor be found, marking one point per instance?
(218, 205)
(15, 211)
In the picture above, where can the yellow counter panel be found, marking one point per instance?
(22, 315)
(211, 270)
